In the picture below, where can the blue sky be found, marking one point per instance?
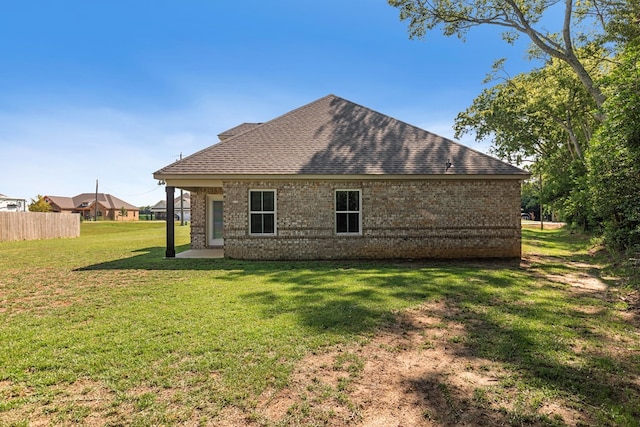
(114, 90)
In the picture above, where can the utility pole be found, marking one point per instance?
(95, 204)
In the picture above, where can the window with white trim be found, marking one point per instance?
(348, 212)
(262, 212)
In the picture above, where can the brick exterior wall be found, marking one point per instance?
(131, 215)
(400, 219)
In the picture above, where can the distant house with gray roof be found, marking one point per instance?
(108, 207)
(336, 180)
(181, 207)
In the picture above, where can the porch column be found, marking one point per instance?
(171, 238)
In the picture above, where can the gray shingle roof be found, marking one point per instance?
(62, 202)
(161, 206)
(333, 136)
(235, 131)
(107, 200)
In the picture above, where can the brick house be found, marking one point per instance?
(109, 207)
(335, 180)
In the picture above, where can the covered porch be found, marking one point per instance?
(206, 240)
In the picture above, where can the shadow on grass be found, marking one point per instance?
(497, 303)
(568, 356)
(568, 361)
(502, 321)
(153, 258)
(534, 336)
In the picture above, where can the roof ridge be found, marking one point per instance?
(283, 115)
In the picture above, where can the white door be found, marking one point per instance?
(215, 222)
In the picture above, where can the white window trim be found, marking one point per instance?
(275, 212)
(336, 211)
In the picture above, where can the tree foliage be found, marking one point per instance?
(545, 119)
(623, 26)
(614, 159)
(533, 115)
(530, 201)
(39, 204)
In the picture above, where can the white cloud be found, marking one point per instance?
(62, 151)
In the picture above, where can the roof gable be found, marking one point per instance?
(86, 200)
(60, 201)
(333, 136)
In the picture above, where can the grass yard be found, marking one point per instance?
(101, 330)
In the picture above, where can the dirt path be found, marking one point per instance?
(413, 373)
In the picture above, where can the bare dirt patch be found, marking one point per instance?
(579, 281)
(580, 278)
(415, 372)
(84, 399)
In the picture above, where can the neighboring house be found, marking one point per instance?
(12, 204)
(336, 180)
(159, 210)
(109, 207)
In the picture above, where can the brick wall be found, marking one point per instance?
(131, 215)
(400, 219)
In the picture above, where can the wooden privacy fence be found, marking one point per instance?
(38, 225)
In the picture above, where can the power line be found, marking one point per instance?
(155, 188)
(142, 194)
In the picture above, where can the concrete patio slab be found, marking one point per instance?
(202, 253)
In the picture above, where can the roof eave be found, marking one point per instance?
(204, 180)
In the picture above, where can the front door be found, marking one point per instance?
(215, 223)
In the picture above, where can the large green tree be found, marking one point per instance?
(544, 119)
(614, 158)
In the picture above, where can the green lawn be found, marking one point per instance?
(102, 330)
